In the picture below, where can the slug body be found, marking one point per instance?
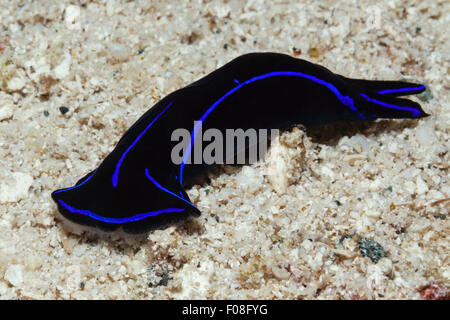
(138, 187)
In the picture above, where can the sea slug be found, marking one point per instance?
(138, 186)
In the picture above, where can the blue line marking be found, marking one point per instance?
(346, 100)
(77, 186)
(415, 112)
(115, 176)
(164, 189)
(136, 217)
(402, 90)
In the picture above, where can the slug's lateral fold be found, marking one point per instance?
(138, 187)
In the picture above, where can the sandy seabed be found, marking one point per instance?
(356, 211)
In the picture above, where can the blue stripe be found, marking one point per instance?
(136, 217)
(164, 189)
(79, 185)
(115, 176)
(402, 90)
(415, 112)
